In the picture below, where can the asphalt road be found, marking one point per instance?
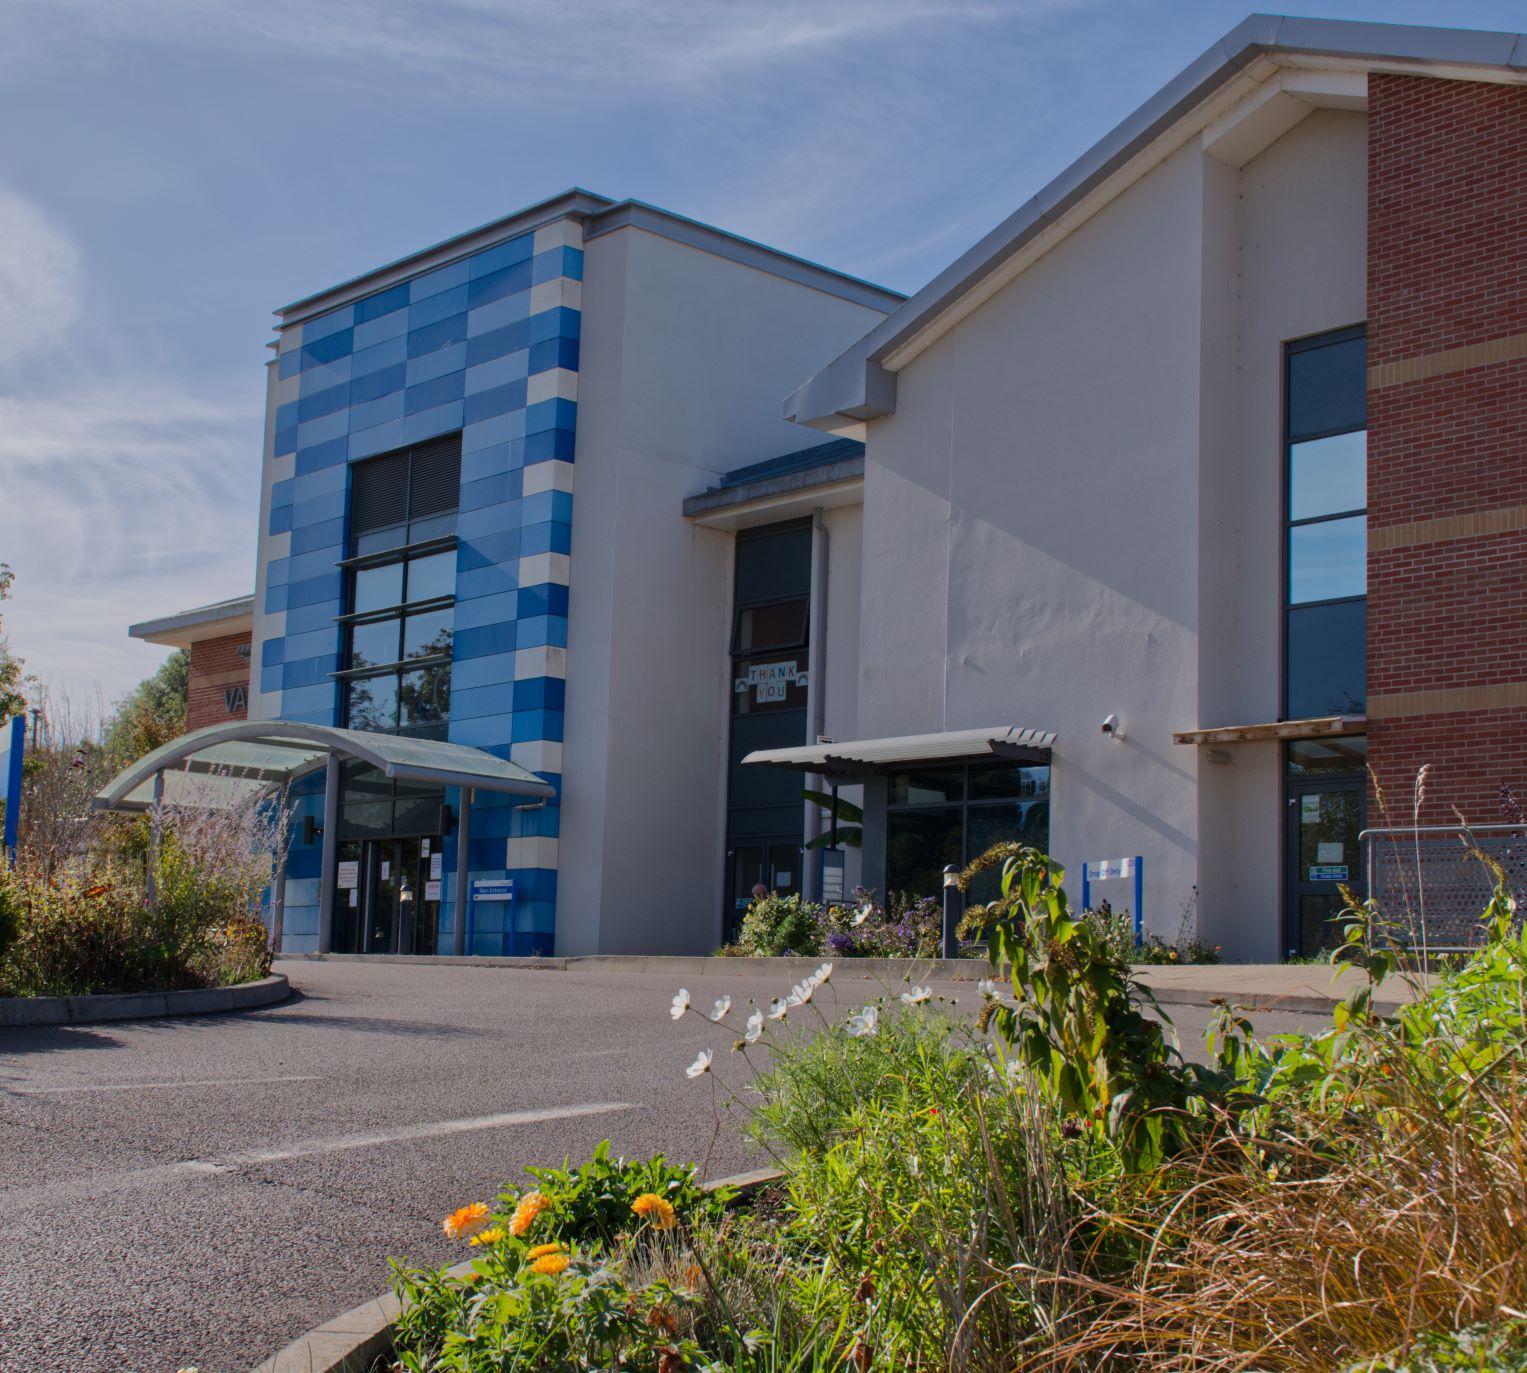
(200, 1191)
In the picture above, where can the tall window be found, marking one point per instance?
(1326, 593)
(402, 590)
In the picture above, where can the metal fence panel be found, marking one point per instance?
(1426, 881)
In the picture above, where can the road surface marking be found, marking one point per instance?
(428, 1130)
(145, 1086)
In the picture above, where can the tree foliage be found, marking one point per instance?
(13, 700)
(153, 714)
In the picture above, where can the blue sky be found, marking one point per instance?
(176, 169)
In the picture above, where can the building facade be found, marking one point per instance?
(1179, 521)
(1220, 439)
(433, 428)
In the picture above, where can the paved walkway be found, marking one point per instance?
(1290, 987)
(202, 1190)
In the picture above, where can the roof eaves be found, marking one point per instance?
(746, 251)
(237, 608)
(858, 386)
(576, 203)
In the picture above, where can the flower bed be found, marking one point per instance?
(1041, 1181)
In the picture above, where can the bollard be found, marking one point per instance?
(952, 896)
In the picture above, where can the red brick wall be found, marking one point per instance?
(217, 670)
(1447, 442)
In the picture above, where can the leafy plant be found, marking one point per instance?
(591, 1204)
(1077, 1022)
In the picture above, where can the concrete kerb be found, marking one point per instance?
(354, 1341)
(16, 1011)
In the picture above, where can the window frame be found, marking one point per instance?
(1291, 349)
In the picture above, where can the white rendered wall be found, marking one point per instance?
(684, 358)
(1076, 511)
(1289, 260)
(1030, 530)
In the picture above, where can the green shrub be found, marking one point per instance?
(74, 939)
(778, 925)
(591, 1205)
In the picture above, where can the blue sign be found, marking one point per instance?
(1111, 869)
(1336, 872)
(12, 746)
(493, 889)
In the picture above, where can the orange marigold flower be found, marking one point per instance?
(467, 1221)
(541, 1250)
(531, 1205)
(100, 889)
(657, 1211)
(491, 1235)
(551, 1264)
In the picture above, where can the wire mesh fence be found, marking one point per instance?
(1433, 889)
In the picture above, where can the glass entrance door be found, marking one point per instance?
(387, 898)
(1325, 816)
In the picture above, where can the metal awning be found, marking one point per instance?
(1317, 727)
(865, 757)
(220, 765)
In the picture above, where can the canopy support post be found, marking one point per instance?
(330, 869)
(278, 899)
(463, 882)
(155, 834)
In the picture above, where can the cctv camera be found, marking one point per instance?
(1111, 726)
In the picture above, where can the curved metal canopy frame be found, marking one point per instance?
(265, 753)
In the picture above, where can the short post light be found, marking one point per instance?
(951, 911)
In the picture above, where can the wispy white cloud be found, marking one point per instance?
(41, 285)
(528, 46)
(124, 499)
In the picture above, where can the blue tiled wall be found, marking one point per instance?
(487, 345)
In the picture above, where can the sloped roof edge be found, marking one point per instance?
(858, 386)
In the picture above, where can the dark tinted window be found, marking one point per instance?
(773, 566)
(1327, 659)
(1327, 387)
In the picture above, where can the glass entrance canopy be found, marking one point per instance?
(218, 766)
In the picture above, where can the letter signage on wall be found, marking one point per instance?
(771, 681)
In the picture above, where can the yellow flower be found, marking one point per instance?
(531, 1205)
(656, 1210)
(491, 1235)
(541, 1250)
(550, 1264)
(467, 1221)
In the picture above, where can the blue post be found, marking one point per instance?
(1086, 888)
(1139, 895)
(10, 786)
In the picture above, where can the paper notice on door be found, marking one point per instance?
(386, 872)
(432, 891)
(349, 877)
(355, 897)
(1330, 853)
(782, 879)
(424, 848)
(1309, 809)
(434, 867)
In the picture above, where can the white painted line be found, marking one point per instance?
(427, 1130)
(145, 1086)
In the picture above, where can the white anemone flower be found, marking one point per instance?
(778, 1009)
(823, 975)
(701, 1065)
(719, 1010)
(755, 1027)
(680, 1005)
(802, 992)
(865, 1022)
(917, 995)
(988, 989)
(862, 914)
